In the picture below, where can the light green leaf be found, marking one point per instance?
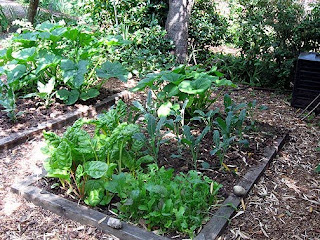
(95, 169)
(46, 88)
(26, 54)
(165, 109)
(109, 69)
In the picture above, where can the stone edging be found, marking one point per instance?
(18, 138)
(88, 216)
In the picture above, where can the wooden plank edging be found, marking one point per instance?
(217, 224)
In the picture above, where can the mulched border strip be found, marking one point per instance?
(18, 138)
(222, 216)
(85, 215)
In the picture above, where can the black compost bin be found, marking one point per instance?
(307, 82)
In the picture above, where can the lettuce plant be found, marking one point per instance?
(165, 201)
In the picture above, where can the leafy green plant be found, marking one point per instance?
(69, 55)
(164, 201)
(230, 129)
(181, 84)
(221, 145)
(86, 161)
(207, 118)
(14, 73)
(154, 128)
(271, 34)
(4, 21)
(193, 143)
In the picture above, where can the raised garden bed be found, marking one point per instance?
(34, 123)
(31, 191)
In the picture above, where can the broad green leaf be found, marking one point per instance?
(171, 90)
(69, 97)
(172, 77)
(91, 93)
(116, 70)
(52, 138)
(197, 86)
(94, 191)
(83, 141)
(26, 54)
(61, 158)
(44, 35)
(26, 38)
(15, 72)
(74, 72)
(47, 60)
(72, 34)
(57, 32)
(46, 26)
(46, 88)
(95, 169)
(164, 110)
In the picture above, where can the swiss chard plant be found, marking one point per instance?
(84, 161)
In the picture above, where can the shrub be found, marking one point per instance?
(271, 34)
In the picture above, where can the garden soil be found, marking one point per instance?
(284, 204)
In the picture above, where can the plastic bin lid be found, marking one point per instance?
(310, 56)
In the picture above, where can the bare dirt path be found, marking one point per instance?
(13, 9)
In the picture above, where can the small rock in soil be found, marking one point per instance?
(239, 191)
(114, 223)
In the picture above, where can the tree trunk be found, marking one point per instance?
(177, 26)
(32, 11)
